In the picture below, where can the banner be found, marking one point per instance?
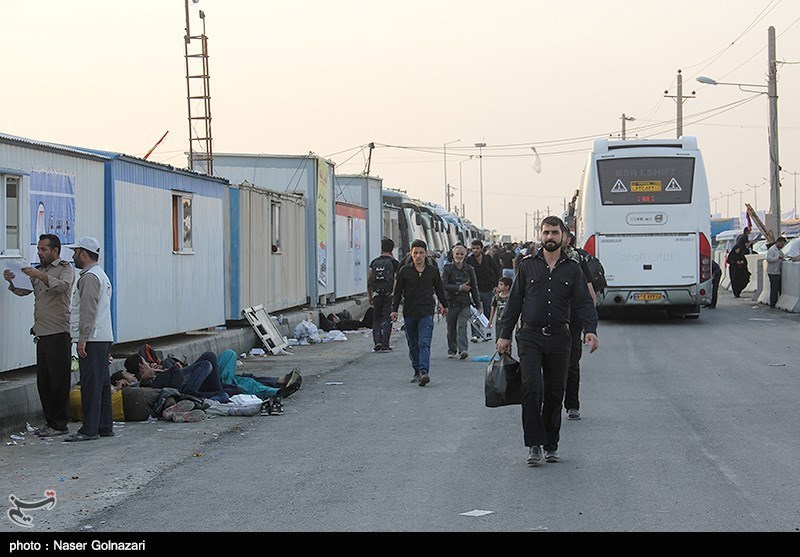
(322, 221)
(52, 198)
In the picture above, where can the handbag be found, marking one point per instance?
(503, 384)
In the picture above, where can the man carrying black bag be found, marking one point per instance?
(547, 287)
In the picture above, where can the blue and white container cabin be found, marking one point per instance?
(163, 248)
(265, 247)
(311, 176)
(46, 189)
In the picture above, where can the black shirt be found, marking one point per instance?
(544, 298)
(416, 290)
(453, 278)
(486, 272)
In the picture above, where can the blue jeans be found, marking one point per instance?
(419, 331)
(202, 378)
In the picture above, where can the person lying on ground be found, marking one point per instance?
(138, 404)
(201, 379)
(262, 387)
(336, 321)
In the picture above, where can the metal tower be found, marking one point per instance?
(198, 89)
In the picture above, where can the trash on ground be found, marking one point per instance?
(482, 359)
(477, 512)
(334, 382)
(777, 365)
(257, 352)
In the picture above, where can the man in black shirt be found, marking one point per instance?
(380, 284)
(548, 286)
(417, 282)
(487, 273)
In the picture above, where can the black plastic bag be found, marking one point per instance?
(503, 385)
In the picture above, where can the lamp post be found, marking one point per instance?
(480, 147)
(772, 94)
(446, 185)
(755, 194)
(741, 199)
(461, 185)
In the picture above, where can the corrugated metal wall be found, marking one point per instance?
(257, 275)
(297, 174)
(16, 314)
(160, 292)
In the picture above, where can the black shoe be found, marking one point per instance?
(106, 434)
(292, 383)
(378, 347)
(424, 380)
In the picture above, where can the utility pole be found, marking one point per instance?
(480, 147)
(774, 165)
(624, 119)
(446, 185)
(679, 98)
(369, 158)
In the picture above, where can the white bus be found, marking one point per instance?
(643, 210)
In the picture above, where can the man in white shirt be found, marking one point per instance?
(774, 258)
(91, 329)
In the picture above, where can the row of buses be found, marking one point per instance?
(406, 219)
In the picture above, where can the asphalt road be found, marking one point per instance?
(688, 426)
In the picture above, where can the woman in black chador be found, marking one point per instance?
(737, 267)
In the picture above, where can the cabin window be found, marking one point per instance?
(10, 210)
(275, 227)
(181, 222)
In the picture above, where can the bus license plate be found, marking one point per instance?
(647, 296)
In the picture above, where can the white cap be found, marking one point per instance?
(88, 243)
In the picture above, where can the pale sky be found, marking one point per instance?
(331, 76)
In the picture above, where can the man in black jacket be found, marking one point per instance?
(487, 273)
(417, 282)
(461, 289)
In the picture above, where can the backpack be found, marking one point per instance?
(382, 275)
(596, 270)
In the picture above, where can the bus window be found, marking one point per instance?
(646, 181)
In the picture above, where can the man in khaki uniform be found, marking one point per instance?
(51, 283)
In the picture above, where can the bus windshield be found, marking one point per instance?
(646, 180)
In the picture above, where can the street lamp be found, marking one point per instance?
(741, 200)
(461, 185)
(480, 147)
(446, 186)
(772, 94)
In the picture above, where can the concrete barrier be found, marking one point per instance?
(725, 281)
(789, 299)
(759, 276)
(753, 265)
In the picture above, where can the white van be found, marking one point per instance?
(643, 210)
